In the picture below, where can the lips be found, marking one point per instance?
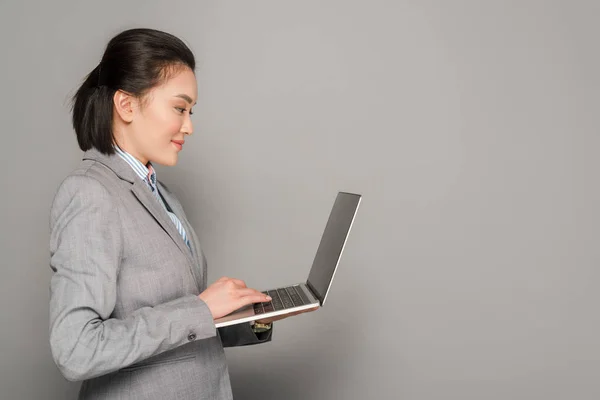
(178, 144)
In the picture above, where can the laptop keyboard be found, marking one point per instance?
(287, 297)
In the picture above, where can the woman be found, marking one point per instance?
(130, 311)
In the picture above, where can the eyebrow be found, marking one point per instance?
(185, 97)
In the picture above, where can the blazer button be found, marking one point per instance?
(192, 337)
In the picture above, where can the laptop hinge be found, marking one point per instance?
(314, 292)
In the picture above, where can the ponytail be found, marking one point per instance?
(92, 114)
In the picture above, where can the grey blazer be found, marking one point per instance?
(124, 312)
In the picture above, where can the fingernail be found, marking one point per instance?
(269, 298)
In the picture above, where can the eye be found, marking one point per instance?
(182, 110)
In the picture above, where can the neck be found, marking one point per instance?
(129, 149)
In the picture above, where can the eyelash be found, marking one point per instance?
(181, 110)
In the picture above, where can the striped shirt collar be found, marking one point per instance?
(146, 173)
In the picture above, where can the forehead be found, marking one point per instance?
(179, 82)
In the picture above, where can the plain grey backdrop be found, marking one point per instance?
(470, 127)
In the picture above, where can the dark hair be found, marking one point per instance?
(135, 61)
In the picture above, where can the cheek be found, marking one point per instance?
(166, 124)
(173, 125)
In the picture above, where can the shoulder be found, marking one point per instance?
(87, 185)
(84, 210)
(88, 175)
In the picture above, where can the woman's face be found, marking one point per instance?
(156, 128)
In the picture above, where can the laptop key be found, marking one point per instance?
(295, 298)
(277, 305)
(258, 308)
(267, 306)
(285, 298)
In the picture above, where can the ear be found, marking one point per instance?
(124, 105)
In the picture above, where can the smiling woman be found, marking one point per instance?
(139, 97)
(131, 313)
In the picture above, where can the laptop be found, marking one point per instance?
(313, 293)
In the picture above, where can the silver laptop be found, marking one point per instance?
(313, 293)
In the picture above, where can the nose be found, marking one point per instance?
(188, 126)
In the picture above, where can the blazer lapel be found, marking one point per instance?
(198, 254)
(144, 195)
(193, 239)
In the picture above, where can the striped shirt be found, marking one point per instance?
(148, 175)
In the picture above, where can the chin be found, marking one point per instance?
(168, 160)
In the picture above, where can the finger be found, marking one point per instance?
(248, 301)
(244, 292)
(223, 279)
(259, 298)
(254, 294)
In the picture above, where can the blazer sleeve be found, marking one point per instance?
(85, 251)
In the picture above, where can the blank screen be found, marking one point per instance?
(332, 243)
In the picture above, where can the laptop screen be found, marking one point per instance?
(332, 243)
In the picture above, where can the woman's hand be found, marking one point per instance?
(227, 295)
(284, 316)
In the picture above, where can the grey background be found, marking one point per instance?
(470, 127)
